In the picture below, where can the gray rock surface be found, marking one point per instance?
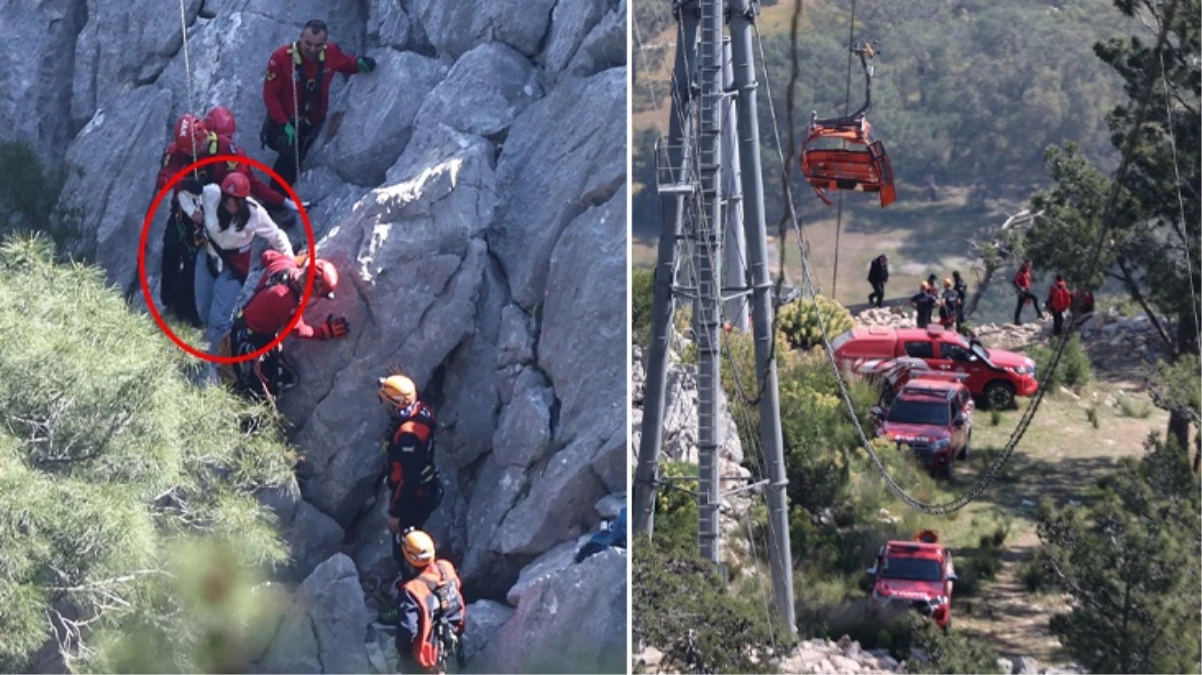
(485, 618)
(574, 616)
(484, 91)
(325, 628)
(542, 180)
(312, 535)
(36, 69)
(108, 204)
(379, 117)
(455, 27)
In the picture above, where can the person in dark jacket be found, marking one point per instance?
(878, 276)
(414, 486)
(1022, 287)
(924, 301)
(431, 614)
(962, 292)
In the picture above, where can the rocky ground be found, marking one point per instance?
(845, 657)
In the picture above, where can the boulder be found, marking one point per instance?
(36, 68)
(576, 616)
(609, 506)
(388, 24)
(484, 619)
(381, 109)
(545, 566)
(604, 47)
(523, 434)
(1025, 665)
(485, 90)
(570, 24)
(325, 628)
(564, 154)
(455, 27)
(107, 201)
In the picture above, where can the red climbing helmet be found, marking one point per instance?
(326, 281)
(191, 134)
(221, 121)
(236, 185)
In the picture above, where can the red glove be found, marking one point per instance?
(334, 327)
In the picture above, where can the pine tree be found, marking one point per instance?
(111, 464)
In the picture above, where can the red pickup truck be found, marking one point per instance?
(919, 573)
(994, 375)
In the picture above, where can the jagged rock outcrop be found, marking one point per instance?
(36, 71)
(471, 192)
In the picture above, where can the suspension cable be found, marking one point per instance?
(851, 41)
(1024, 422)
(295, 113)
(183, 24)
(1189, 266)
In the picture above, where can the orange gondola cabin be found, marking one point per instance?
(864, 168)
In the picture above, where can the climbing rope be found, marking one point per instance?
(1024, 422)
(183, 24)
(1185, 242)
(296, 116)
(851, 41)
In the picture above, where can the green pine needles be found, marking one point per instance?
(111, 465)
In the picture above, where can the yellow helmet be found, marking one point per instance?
(397, 390)
(418, 548)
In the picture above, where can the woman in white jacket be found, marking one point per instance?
(232, 220)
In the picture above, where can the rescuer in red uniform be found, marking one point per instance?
(298, 76)
(267, 313)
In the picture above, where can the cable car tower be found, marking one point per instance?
(710, 182)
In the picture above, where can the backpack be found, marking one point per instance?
(443, 636)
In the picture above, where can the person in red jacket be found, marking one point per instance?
(269, 310)
(183, 236)
(298, 76)
(1022, 287)
(1059, 300)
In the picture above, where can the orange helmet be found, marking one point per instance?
(237, 185)
(191, 134)
(221, 121)
(397, 390)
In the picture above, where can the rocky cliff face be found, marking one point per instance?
(472, 192)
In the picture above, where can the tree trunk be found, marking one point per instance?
(1187, 343)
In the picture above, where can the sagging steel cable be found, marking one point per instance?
(1024, 422)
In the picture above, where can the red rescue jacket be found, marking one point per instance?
(177, 159)
(287, 66)
(1059, 298)
(1022, 278)
(273, 304)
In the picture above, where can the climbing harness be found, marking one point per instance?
(866, 170)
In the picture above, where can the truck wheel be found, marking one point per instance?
(999, 395)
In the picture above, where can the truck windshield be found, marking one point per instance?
(919, 412)
(840, 340)
(912, 569)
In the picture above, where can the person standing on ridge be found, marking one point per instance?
(296, 90)
(267, 313)
(878, 276)
(1022, 287)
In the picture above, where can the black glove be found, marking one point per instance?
(366, 64)
(335, 327)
